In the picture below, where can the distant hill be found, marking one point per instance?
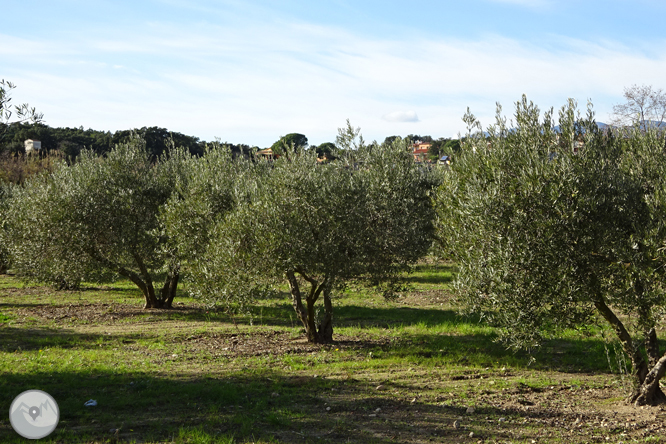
(655, 124)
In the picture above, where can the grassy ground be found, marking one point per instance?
(409, 370)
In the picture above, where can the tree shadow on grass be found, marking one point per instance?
(477, 350)
(274, 406)
(30, 339)
(423, 334)
(108, 288)
(399, 316)
(451, 344)
(282, 314)
(277, 314)
(262, 404)
(582, 355)
(110, 311)
(94, 292)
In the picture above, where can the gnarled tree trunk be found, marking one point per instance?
(325, 331)
(306, 313)
(170, 287)
(647, 390)
(148, 290)
(144, 281)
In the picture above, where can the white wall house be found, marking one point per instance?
(32, 145)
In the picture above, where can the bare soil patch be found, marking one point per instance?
(100, 312)
(271, 343)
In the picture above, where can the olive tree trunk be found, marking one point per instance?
(144, 281)
(323, 333)
(649, 392)
(646, 376)
(326, 324)
(170, 287)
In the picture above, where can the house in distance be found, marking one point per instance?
(420, 151)
(32, 145)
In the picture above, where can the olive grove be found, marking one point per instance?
(238, 228)
(367, 216)
(554, 228)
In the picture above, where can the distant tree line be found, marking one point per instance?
(71, 141)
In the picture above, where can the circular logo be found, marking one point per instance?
(34, 414)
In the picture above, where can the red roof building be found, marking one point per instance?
(420, 151)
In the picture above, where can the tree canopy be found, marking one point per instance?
(96, 217)
(316, 227)
(551, 229)
(209, 189)
(326, 150)
(290, 143)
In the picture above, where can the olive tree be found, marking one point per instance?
(96, 217)
(19, 113)
(316, 227)
(209, 188)
(553, 228)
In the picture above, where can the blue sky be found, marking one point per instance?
(252, 71)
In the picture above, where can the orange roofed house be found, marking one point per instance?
(420, 151)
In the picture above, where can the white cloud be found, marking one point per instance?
(254, 84)
(401, 116)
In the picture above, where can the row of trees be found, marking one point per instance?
(72, 141)
(552, 229)
(238, 228)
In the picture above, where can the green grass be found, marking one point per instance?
(192, 375)
(428, 276)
